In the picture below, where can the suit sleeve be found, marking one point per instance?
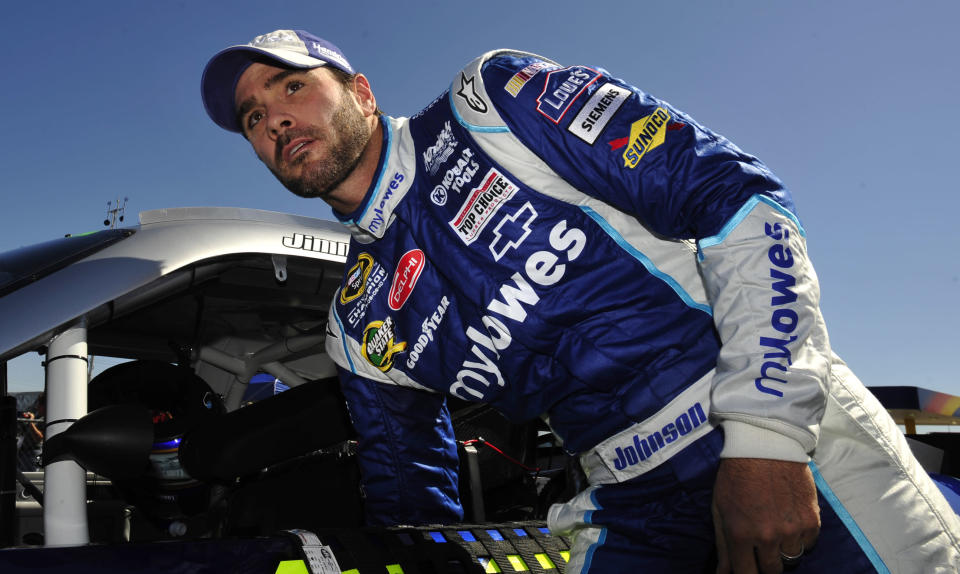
(679, 180)
(406, 451)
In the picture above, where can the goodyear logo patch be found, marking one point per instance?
(646, 134)
(379, 344)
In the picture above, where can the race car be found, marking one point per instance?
(175, 458)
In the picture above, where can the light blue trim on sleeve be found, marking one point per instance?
(343, 333)
(473, 127)
(383, 170)
(646, 262)
(740, 216)
(588, 518)
(848, 521)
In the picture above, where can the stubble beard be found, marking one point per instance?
(349, 135)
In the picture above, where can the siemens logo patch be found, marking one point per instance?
(542, 268)
(561, 90)
(598, 111)
(783, 316)
(641, 448)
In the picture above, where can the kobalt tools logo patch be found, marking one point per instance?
(456, 177)
(356, 278)
(405, 278)
(435, 155)
(543, 269)
(562, 88)
(481, 204)
(598, 111)
(379, 344)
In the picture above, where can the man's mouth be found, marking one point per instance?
(292, 149)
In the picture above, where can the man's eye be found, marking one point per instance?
(253, 119)
(294, 86)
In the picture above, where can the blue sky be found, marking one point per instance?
(853, 104)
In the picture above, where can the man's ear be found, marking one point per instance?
(364, 93)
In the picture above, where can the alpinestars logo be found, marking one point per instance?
(468, 91)
(482, 203)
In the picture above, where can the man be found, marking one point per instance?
(557, 243)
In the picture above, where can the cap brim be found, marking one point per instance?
(219, 83)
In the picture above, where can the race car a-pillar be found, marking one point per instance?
(64, 492)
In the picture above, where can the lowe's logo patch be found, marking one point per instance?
(561, 90)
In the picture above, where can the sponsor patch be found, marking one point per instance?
(512, 230)
(378, 211)
(435, 155)
(356, 278)
(561, 90)
(379, 344)
(373, 285)
(409, 268)
(520, 79)
(645, 134)
(427, 331)
(598, 111)
(456, 177)
(482, 203)
(468, 91)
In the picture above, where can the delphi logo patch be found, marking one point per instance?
(405, 278)
(483, 201)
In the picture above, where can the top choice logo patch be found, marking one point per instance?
(482, 203)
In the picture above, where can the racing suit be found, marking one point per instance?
(555, 242)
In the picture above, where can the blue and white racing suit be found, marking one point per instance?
(558, 243)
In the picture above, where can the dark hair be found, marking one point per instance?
(346, 80)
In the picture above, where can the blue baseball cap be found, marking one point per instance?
(289, 48)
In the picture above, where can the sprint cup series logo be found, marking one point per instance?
(482, 203)
(378, 346)
(357, 278)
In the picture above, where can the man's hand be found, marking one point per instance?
(762, 508)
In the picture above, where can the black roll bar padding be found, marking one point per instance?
(296, 422)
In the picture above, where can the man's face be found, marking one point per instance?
(305, 125)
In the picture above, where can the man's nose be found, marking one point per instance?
(278, 122)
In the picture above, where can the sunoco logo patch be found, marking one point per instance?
(481, 204)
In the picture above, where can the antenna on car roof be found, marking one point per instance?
(115, 214)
